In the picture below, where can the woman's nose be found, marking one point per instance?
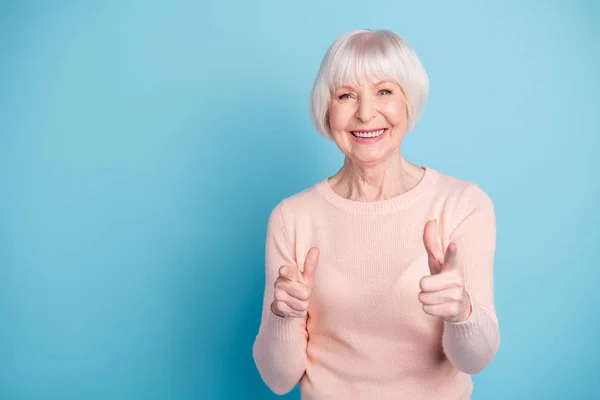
(365, 110)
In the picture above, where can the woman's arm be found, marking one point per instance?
(472, 344)
(280, 346)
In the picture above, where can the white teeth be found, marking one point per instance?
(368, 134)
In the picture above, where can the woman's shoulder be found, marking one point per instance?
(303, 198)
(464, 192)
(302, 202)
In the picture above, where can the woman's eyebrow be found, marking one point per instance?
(377, 84)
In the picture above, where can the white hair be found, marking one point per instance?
(366, 54)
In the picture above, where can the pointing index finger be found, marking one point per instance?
(288, 272)
(450, 257)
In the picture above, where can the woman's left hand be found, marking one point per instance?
(443, 293)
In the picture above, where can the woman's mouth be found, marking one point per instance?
(368, 135)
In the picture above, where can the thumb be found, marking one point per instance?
(433, 248)
(310, 265)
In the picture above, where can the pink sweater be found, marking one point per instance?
(366, 335)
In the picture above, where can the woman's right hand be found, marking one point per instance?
(293, 288)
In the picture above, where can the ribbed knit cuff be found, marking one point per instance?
(283, 327)
(469, 326)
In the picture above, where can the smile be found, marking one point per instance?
(368, 134)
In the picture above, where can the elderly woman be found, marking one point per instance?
(379, 279)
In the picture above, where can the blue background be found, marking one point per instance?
(143, 145)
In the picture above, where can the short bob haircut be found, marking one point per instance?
(360, 55)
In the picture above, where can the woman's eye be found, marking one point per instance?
(385, 92)
(344, 96)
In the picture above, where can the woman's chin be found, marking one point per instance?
(369, 157)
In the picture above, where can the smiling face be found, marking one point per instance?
(368, 120)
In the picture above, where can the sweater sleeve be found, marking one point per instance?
(472, 344)
(280, 346)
